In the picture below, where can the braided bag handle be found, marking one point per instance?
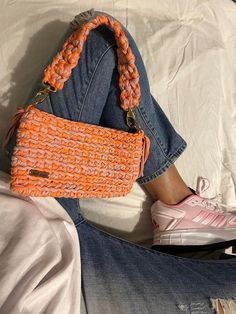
(57, 73)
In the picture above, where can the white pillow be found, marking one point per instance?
(127, 217)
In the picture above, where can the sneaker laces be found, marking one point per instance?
(212, 203)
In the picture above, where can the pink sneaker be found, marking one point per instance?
(194, 221)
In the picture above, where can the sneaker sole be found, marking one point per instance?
(194, 236)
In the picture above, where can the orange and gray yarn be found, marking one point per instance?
(63, 63)
(61, 158)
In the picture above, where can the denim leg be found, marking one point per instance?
(166, 144)
(120, 277)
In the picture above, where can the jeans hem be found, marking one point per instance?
(171, 159)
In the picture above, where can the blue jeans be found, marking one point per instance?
(118, 276)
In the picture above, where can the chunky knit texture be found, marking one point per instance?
(61, 158)
(59, 71)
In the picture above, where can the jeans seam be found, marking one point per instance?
(92, 77)
(79, 222)
(178, 151)
(152, 131)
(80, 218)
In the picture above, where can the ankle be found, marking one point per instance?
(168, 187)
(176, 198)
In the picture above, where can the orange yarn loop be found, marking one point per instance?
(59, 71)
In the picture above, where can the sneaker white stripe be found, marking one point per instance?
(201, 216)
(222, 223)
(232, 221)
(218, 221)
(210, 218)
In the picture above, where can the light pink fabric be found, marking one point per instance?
(39, 256)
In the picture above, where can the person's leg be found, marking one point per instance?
(161, 178)
(201, 222)
(180, 216)
(168, 187)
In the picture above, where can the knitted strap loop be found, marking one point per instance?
(59, 71)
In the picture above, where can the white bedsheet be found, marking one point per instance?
(189, 50)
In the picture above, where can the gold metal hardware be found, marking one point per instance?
(43, 93)
(132, 120)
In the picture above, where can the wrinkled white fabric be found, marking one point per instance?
(188, 48)
(39, 256)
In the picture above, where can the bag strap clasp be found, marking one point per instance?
(42, 94)
(132, 120)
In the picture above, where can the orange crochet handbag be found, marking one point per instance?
(61, 158)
